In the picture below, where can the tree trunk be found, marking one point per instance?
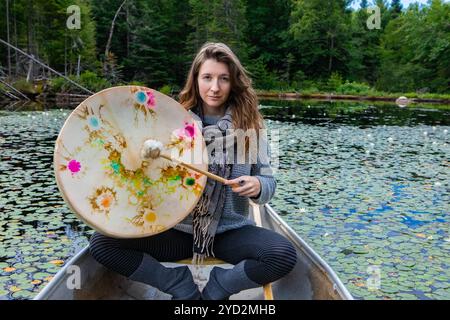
(206, 22)
(128, 28)
(330, 61)
(29, 28)
(78, 66)
(197, 34)
(65, 53)
(7, 38)
(30, 71)
(15, 40)
(30, 40)
(108, 44)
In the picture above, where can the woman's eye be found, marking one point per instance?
(226, 79)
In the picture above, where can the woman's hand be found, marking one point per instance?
(247, 186)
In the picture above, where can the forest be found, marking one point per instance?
(286, 45)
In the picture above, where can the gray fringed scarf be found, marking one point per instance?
(207, 212)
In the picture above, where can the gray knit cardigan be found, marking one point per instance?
(236, 208)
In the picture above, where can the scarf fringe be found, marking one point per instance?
(197, 259)
(201, 221)
(206, 214)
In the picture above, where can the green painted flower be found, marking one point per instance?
(115, 166)
(189, 181)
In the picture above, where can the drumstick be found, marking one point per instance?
(152, 150)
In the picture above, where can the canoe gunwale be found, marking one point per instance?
(61, 274)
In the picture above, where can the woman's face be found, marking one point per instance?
(214, 86)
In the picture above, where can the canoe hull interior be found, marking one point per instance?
(309, 280)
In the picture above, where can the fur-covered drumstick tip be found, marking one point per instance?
(151, 149)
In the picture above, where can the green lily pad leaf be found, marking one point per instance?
(9, 254)
(387, 289)
(30, 270)
(442, 278)
(3, 293)
(442, 294)
(24, 284)
(423, 288)
(24, 295)
(407, 296)
(32, 259)
(41, 275)
(347, 251)
(18, 276)
(21, 265)
(408, 264)
(360, 250)
(402, 267)
(442, 285)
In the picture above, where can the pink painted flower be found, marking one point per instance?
(189, 130)
(150, 99)
(74, 166)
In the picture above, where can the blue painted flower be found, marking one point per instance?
(141, 97)
(94, 122)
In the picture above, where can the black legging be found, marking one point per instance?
(269, 255)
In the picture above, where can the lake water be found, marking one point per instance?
(367, 186)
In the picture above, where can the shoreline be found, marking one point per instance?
(332, 96)
(76, 98)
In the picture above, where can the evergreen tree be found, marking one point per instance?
(364, 50)
(320, 30)
(40, 29)
(218, 21)
(279, 41)
(149, 39)
(268, 37)
(396, 8)
(176, 18)
(384, 11)
(103, 14)
(200, 15)
(416, 50)
(148, 59)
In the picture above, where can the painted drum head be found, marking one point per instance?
(100, 172)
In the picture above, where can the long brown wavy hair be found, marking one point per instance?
(242, 99)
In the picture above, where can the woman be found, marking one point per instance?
(219, 94)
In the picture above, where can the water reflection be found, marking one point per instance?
(353, 113)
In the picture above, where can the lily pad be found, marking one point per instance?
(388, 289)
(23, 295)
(3, 293)
(407, 296)
(402, 267)
(41, 275)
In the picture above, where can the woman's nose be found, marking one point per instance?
(215, 86)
